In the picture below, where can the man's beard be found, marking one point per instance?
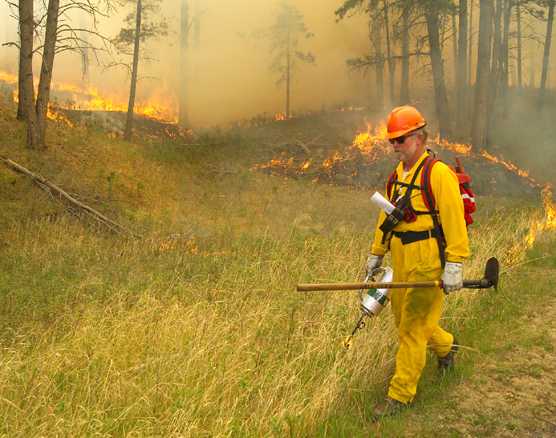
(404, 155)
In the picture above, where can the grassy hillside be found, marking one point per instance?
(193, 327)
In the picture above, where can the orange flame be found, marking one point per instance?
(546, 222)
(91, 99)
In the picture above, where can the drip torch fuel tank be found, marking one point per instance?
(376, 299)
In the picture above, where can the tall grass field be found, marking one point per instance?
(195, 329)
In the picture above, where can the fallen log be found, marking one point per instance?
(42, 182)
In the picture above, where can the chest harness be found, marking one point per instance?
(405, 211)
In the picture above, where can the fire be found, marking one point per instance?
(91, 99)
(546, 222)
(8, 78)
(340, 168)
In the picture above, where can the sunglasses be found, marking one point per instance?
(401, 139)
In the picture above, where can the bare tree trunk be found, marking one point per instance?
(440, 93)
(379, 67)
(519, 59)
(197, 52)
(288, 67)
(84, 48)
(470, 102)
(478, 126)
(455, 47)
(461, 77)
(391, 65)
(404, 89)
(504, 79)
(26, 86)
(183, 117)
(546, 54)
(49, 50)
(26, 92)
(495, 72)
(133, 88)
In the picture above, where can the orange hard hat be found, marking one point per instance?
(402, 120)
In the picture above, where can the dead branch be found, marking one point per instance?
(49, 187)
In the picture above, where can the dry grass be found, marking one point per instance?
(196, 330)
(154, 339)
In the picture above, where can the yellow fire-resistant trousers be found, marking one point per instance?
(416, 314)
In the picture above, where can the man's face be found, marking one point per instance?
(405, 147)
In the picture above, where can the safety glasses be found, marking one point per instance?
(400, 140)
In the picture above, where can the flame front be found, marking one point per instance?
(91, 99)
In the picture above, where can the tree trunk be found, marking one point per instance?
(440, 93)
(546, 54)
(49, 50)
(404, 89)
(461, 77)
(183, 116)
(470, 102)
(133, 88)
(288, 67)
(378, 69)
(455, 47)
(391, 65)
(26, 92)
(84, 48)
(496, 65)
(504, 78)
(519, 60)
(26, 86)
(478, 126)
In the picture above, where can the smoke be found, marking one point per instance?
(229, 76)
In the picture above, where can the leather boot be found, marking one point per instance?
(446, 363)
(389, 408)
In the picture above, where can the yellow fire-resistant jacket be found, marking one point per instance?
(445, 189)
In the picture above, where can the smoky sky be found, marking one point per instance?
(229, 76)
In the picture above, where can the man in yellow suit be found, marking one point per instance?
(427, 244)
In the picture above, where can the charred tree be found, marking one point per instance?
(461, 76)
(440, 92)
(479, 121)
(544, 73)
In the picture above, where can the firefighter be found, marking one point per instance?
(419, 254)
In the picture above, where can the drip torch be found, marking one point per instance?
(373, 302)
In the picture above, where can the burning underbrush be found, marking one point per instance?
(365, 162)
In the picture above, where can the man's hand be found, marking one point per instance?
(452, 277)
(373, 263)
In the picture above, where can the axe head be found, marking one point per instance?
(492, 272)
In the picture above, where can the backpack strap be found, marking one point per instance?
(390, 183)
(430, 204)
(405, 201)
